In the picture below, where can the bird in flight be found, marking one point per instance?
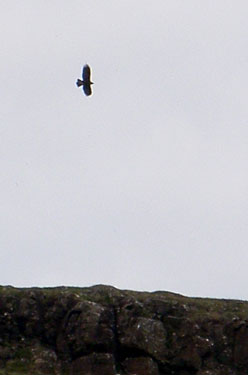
(86, 82)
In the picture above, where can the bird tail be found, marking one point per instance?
(79, 83)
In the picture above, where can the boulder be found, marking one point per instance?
(94, 364)
(140, 334)
(140, 366)
(87, 327)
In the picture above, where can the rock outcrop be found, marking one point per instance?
(105, 331)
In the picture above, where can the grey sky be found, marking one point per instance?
(144, 184)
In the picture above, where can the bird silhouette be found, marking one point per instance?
(86, 82)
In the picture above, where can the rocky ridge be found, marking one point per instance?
(104, 331)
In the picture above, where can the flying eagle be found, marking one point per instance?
(86, 82)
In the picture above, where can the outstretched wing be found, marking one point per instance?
(87, 90)
(86, 73)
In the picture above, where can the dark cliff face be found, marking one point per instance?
(104, 331)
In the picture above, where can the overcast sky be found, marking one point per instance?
(143, 185)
